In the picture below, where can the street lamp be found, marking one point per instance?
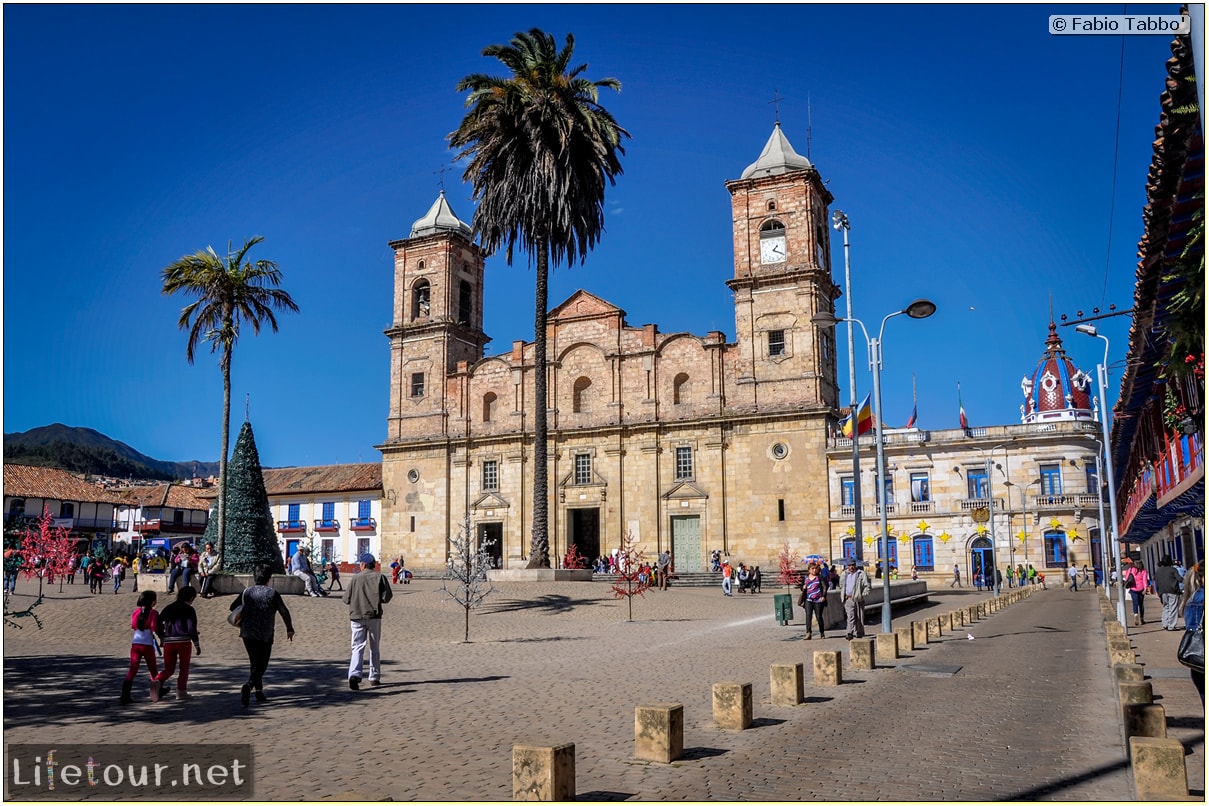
(919, 309)
(1023, 512)
(1102, 376)
(840, 222)
(995, 586)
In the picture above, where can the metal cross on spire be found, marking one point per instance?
(777, 97)
(441, 171)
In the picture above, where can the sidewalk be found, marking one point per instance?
(1026, 710)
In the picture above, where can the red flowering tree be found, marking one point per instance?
(46, 551)
(787, 568)
(574, 559)
(630, 580)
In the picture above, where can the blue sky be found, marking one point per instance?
(973, 152)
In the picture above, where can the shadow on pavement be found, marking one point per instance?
(550, 603)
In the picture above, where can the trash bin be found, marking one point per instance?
(782, 607)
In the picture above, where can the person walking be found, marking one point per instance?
(854, 587)
(257, 627)
(956, 575)
(814, 600)
(207, 566)
(727, 571)
(1136, 580)
(96, 575)
(118, 572)
(1073, 573)
(136, 565)
(1194, 617)
(177, 629)
(664, 567)
(1167, 585)
(333, 576)
(143, 621)
(367, 591)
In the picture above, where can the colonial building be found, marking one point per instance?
(335, 509)
(84, 508)
(168, 511)
(692, 443)
(688, 442)
(977, 498)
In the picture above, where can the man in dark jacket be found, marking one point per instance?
(367, 591)
(1167, 585)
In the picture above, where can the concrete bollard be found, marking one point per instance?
(732, 705)
(887, 646)
(543, 773)
(827, 670)
(1144, 720)
(787, 681)
(659, 732)
(1124, 656)
(1127, 673)
(958, 618)
(919, 634)
(1135, 693)
(946, 622)
(933, 627)
(860, 653)
(1158, 768)
(904, 638)
(1119, 642)
(971, 614)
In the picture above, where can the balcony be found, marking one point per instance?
(923, 507)
(362, 524)
(971, 504)
(159, 525)
(1043, 503)
(291, 526)
(327, 525)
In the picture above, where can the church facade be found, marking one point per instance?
(690, 443)
(687, 442)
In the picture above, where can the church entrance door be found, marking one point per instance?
(495, 533)
(583, 529)
(686, 543)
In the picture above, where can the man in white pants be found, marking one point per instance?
(367, 592)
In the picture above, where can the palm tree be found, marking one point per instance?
(541, 149)
(229, 293)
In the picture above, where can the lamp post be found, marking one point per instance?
(995, 586)
(919, 309)
(1023, 512)
(1102, 376)
(840, 222)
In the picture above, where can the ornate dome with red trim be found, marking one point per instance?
(1056, 390)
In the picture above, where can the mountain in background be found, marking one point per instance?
(83, 450)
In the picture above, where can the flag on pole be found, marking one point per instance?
(914, 415)
(864, 419)
(961, 410)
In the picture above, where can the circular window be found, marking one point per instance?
(780, 450)
(413, 475)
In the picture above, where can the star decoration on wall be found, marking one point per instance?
(945, 537)
(981, 529)
(1072, 534)
(1021, 536)
(1055, 523)
(852, 530)
(869, 540)
(923, 526)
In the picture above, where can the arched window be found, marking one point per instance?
(579, 394)
(772, 228)
(465, 302)
(420, 295)
(923, 554)
(489, 407)
(680, 389)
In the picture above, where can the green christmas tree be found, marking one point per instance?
(251, 537)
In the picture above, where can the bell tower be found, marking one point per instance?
(438, 319)
(782, 278)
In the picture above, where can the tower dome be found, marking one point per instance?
(778, 157)
(1057, 390)
(440, 218)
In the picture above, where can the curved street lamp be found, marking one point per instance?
(919, 309)
(840, 222)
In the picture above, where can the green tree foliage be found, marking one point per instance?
(251, 536)
(541, 150)
(82, 459)
(230, 291)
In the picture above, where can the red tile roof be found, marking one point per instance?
(165, 495)
(365, 477)
(27, 481)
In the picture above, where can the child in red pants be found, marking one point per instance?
(143, 621)
(177, 629)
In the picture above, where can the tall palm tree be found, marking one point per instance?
(230, 291)
(541, 149)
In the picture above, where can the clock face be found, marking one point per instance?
(772, 250)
